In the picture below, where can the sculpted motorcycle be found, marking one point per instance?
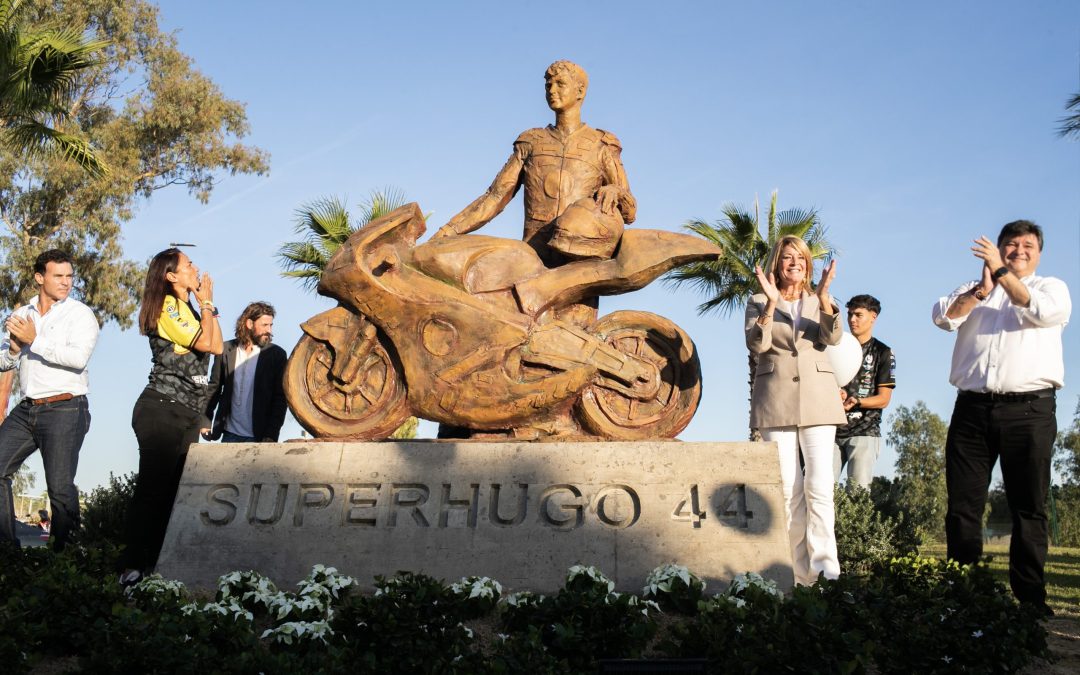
(466, 330)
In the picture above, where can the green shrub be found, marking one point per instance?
(865, 537)
(585, 621)
(939, 617)
(674, 588)
(407, 625)
(904, 615)
(104, 514)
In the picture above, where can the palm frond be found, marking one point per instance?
(34, 138)
(729, 281)
(326, 224)
(1070, 124)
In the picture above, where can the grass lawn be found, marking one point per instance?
(1062, 574)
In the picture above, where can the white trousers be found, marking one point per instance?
(808, 496)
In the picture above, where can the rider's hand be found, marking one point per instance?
(608, 198)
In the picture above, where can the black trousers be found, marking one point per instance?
(1021, 433)
(164, 428)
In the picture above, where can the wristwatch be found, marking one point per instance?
(999, 272)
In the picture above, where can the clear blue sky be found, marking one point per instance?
(913, 127)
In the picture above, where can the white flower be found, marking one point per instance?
(946, 659)
(977, 634)
(294, 631)
(591, 572)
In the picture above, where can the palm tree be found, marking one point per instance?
(1070, 125)
(729, 281)
(326, 225)
(39, 69)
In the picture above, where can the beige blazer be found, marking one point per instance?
(794, 383)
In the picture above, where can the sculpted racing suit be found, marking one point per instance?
(556, 170)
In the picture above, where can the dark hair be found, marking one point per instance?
(867, 302)
(53, 255)
(156, 288)
(251, 313)
(1019, 228)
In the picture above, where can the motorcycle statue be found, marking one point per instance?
(465, 330)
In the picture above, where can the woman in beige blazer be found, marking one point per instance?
(796, 401)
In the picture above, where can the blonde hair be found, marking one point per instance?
(800, 246)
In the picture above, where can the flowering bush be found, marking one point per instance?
(674, 587)
(477, 595)
(905, 615)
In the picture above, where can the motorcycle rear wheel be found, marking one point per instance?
(372, 406)
(615, 415)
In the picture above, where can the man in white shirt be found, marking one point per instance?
(1007, 365)
(246, 382)
(50, 341)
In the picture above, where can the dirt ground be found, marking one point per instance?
(1064, 641)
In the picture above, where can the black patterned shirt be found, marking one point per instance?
(878, 369)
(179, 371)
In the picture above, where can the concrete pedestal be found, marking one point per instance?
(521, 513)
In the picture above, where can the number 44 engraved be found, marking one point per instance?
(730, 507)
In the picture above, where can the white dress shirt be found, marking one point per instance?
(1004, 348)
(56, 362)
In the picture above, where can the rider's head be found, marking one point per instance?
(565, 83)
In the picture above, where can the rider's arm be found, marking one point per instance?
(492, 202)
(615, 175)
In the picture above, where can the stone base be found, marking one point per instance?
(520, 513)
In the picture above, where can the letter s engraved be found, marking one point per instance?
(217, 496)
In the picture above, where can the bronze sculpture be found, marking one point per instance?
(499, 336)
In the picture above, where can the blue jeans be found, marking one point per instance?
(57, 430)
(858, 453)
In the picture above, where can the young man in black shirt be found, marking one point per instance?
(859, 442)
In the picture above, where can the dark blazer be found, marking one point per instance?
(268, 402)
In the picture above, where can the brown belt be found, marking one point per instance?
(51, 399)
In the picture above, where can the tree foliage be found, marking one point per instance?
(729, 282)
(40, 65)
(156, 120)
(326, 224)
(1070, 124)
(918, 435)
(1067, 451)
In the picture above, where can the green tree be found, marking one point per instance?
(1070, 124)
(40, 65)
(728, 283)
(159, 122)
(1067, 451)
(326, 224)
(23, 480)
(918, 436)
(1067, 495)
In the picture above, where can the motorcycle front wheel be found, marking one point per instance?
(616, 415)
(371, 406)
